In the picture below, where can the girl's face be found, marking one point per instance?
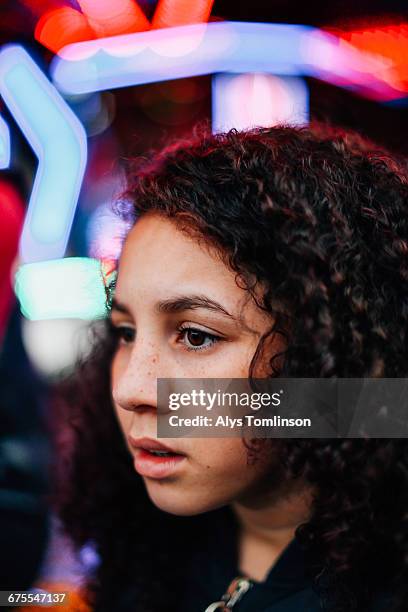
(179, 313)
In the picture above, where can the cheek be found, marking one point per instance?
(232, 360)
(219, 451)
(225, 461)
(217, 474)
(124, 417)
(116, 370)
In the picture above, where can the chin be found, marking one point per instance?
(176, 502)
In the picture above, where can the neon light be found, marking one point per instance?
(63, 288)
(61, 27)
(12, 216)
(345, 66)
(59, 141)
(105, 233)
(100, 18)
(389, 43)
(268, 100)
(146, 57)
(133, 59)
(108, 18)
(55, 345)
(5, 151)
(181, 12)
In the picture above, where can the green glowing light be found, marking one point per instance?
(72, 287)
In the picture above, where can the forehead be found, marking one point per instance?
(157, 257)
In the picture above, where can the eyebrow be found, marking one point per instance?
(191, 302)
(180, 304)
(115, 305)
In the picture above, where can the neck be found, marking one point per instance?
(266, 530)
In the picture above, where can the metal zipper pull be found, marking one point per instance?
(236, 590)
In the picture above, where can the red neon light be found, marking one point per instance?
(101, 18)
(108, 18)
(181, 12)
(388, 43)
(12, 215)
(61, 27)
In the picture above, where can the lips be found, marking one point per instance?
(157, 466)
(148, 444)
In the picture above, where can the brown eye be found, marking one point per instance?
(123, 334)
(196, 337)
(126, 334)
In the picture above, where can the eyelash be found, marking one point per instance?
(188, 328)
(118, 333)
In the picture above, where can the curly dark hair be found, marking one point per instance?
(320, 218)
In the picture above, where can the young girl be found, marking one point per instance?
(275, 252)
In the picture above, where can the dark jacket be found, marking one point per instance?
(287, 587)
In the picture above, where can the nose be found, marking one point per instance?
(135, 381)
